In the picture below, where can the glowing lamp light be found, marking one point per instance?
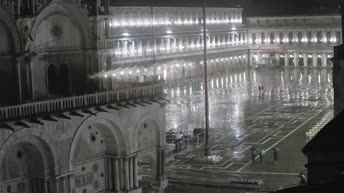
(169, 32)
(125, 34)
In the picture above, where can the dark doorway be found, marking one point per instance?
(52, 80)
(64, 80)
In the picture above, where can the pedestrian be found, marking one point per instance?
(275, 152)
(303, 179)
(261, 154)
(253, 153)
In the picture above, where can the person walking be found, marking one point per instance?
(253, 154)
(261, 154)
(275, 152)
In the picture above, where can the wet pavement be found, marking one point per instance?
(241, 117)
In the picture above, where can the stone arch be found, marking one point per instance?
(61, 12)
(30, 149)
(8, 21)
(115, 139)
(152, 127)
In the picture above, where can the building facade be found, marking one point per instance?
(83, 108)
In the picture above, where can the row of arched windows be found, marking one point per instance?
(296, 37)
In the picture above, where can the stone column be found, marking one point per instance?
(109, 173)
(131, 173)
(47, 185)
(286, 58)
(296, 59)
(251, 58)
(136, 172)
(324, 60)
(126, 174)
(305, 59)
(278, 58)
(58, 189)
(315, 60)
(259, 58)
(117, 172)
(67, 184)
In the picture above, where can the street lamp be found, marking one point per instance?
(206, 98)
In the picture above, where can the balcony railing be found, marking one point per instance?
(79, 102)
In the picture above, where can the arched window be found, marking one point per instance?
(328, 37)
(319, 37)
(290, 38)
(263, 38)
(338, 37)
(281, 37)
(52, 79)
(299, 37)
(254, 39)
(64, 80)
(272, 38)
(309, 37)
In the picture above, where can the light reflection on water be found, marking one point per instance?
(232, 97)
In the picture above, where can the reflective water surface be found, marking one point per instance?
(235, 96)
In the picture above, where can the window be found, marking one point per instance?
(272, 38)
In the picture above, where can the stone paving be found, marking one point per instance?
(294, 100)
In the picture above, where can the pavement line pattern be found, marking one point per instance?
(279, 141)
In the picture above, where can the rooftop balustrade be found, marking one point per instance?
(43, 108)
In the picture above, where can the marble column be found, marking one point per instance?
(286, 58)
(136, 172)
(117, 174)
(305, 59)
(296, 59)
(47, 185)
(278, 58)
(324, 60)
(131, 173)
(126, 174)
(315, 60)
(259, 58)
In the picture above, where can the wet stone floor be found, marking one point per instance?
(241, 118)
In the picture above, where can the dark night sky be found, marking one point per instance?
(251, 7)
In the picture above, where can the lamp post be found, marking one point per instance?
(206, 98)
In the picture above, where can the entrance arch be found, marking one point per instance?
(28, 166)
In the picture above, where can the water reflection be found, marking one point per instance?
(234, 96)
